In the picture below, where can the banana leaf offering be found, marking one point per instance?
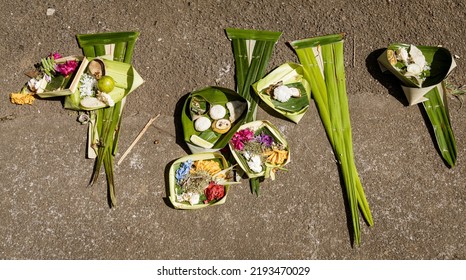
(53, 76)
(210, 117)
(422, 71)
(419, 68)
(64, 84)
(260, 149)
(200, 180)
(285, 91)
(101, 83)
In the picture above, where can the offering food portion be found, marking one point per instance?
(285, 91)
(210, 118)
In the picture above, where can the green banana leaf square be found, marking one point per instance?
(60, 85)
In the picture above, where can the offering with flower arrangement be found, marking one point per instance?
(102, 83)
(88, 84)
(260, 149)
(52, 76)
(200, 180)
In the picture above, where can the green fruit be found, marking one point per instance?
(106, 84)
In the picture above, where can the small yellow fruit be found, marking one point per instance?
(221, 126)
(106, 84)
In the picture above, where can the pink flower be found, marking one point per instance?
(237, 143)
(55, 55)
(66, 68)
(247, 134)
(241, 137)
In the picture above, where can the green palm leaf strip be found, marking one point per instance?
(107, 121)
(437, 111)
(252, 50)
(323, 62)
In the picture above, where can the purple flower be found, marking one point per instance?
(265, 139)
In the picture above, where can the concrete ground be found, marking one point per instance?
(48, 212)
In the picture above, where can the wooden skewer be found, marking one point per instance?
(137, 138)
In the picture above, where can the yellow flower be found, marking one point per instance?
(210, 166)
(21, 98)
(276, 156)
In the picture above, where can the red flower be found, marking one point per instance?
(214, 191)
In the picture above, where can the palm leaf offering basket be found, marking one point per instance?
(431, 92)
(440, 62)
(176, 190)
(288, 75)
(208, 107)
(262, 127)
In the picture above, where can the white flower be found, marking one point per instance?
(255, 163)
(37, 85)
(106, 98)
(417, 57)
(247, 155)
(413, 70)
(402, 55)
(194, 199)
(415, 62)
(282, 93)
(87, 86)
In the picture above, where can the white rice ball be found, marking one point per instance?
(282, 93)
(217, 112)
(202, 124)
